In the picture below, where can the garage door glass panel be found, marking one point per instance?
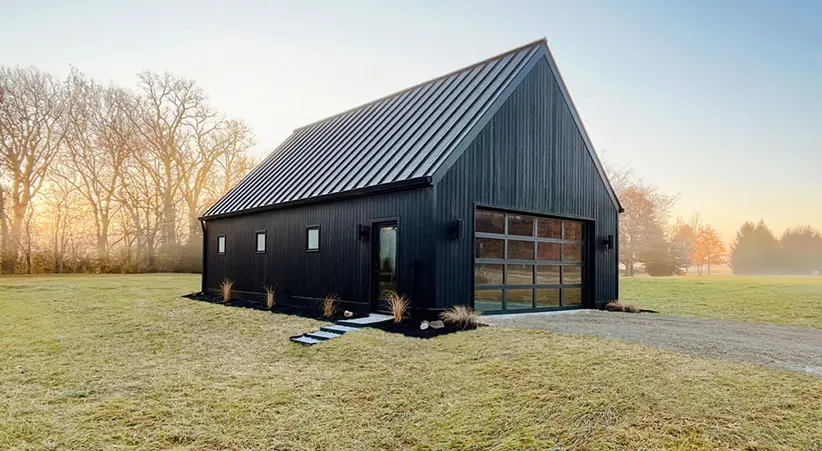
(519, 299)
(523, 261)
(573, 231)
(549, 228)
(571, 296)
(520, 275)
(547, 274)
(547, 297)
(488, 274)
(520, 250)
(571, 253)
(571, 274)
(489, 248)
(487, 300)
(549, 252)
(520, 225)
(490, 222)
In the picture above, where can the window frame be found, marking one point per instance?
(221, 237)
(308, 230)
(257, 234)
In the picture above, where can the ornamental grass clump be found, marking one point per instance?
(330, 305)
(461, 316)
(269, 295)
(397, 304)
(225, 290)
(616, 306)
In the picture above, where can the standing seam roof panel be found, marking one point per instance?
(413, 123)
(403, 136)
(358, 162)
(313, 152)
(347, 160)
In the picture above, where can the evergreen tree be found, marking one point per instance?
(755, 250)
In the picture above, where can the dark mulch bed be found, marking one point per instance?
(283, 309)
(408, 328)
(411, 328)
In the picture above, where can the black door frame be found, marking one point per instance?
(373, 280)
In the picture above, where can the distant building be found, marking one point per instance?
(479, 187)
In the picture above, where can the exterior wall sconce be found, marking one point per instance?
(608, 242)
(455, 228)
(362, 232)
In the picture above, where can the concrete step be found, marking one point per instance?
(303, 340)
(322, 335)
(338, 329)
(370, 320)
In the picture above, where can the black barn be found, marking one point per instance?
(480, 187)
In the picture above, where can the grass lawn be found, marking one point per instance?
(90, 362)
(790, 301)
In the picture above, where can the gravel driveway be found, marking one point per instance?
(783, 347)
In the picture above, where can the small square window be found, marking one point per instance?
(221, 244)
(312, 238)
(261, 241)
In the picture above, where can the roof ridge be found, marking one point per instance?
(462, 69)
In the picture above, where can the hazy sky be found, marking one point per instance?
(720, 102)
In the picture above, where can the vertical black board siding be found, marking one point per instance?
(342, 264)
(530, 157)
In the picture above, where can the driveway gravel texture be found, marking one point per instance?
(783, 347)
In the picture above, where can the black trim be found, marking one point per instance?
(319, 237)
(204, 283)
(257, 234)
(532, 310)
(374, 298)
(378, 189)
(502, 209)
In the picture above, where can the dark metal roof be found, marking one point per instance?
(398, 139)
(409, 138)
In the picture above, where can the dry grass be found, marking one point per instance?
(269, 295)
(330, 305)
(225, 290)
(461, 316)
(121, 362)
(398, 305)
(617, 306)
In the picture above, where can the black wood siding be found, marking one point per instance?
(342, 264)
(530, 157)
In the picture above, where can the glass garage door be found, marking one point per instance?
(526, 262)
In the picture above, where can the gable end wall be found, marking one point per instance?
(531, 157)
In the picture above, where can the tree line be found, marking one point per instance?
(649, 238)
(107, 178)
(756, 250)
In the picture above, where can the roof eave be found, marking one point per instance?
(367, 191)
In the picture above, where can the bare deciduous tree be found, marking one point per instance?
(30, 135)
(96, 177)
(98, 143)
(166, 110)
